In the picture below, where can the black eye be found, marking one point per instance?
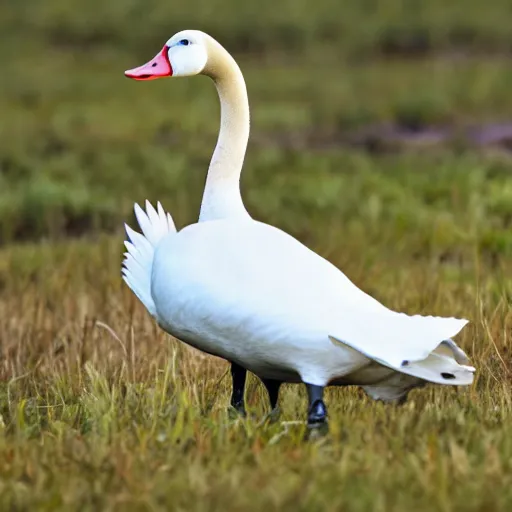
(184, 42)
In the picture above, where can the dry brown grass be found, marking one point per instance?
(101, 410)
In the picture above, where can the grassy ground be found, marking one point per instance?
(101, 410)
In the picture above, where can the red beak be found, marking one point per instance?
(158, 67)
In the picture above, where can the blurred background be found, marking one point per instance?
(375, 117)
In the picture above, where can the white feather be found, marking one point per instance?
(138, 260)
(250, 293)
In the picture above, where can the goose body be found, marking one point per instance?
(252, 294)
(248, 292)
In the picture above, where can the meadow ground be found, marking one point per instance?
(379, 139)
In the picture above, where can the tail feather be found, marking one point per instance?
(138, 260)
(450, 348)
(446, 364)
(154, 225)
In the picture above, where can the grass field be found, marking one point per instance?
(380, 138)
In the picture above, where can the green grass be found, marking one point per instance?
(102, 411)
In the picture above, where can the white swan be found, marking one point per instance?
(252, 294)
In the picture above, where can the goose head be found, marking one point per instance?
(184, 54)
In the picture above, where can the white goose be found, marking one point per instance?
(250, 293)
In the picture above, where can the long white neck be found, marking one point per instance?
(221, 197)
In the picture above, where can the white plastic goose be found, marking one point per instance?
(252, 294)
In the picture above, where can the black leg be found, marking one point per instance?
(272, 387)
(272, 390)
(238, 376)
(317, 412)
